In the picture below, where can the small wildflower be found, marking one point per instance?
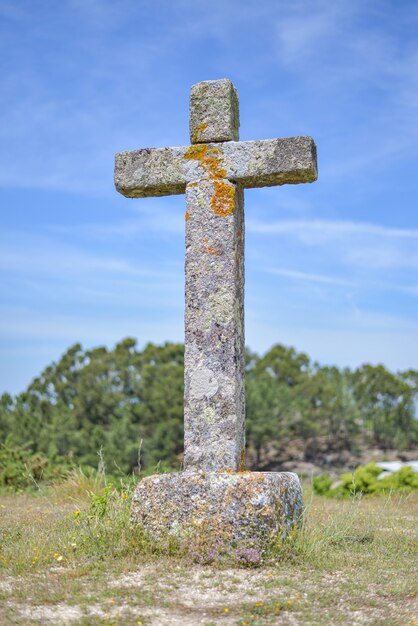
(258, 604)
(60, 558)
(289, 602)
(249, 557)
(226, 610)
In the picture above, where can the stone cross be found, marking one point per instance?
(213, 171)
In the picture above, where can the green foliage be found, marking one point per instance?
(103, 400)
(322, 484)
(386, 404)
(365, 480)
(100, 502)
(20, 468)
(128, 403)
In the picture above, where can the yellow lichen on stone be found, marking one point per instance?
(220, 307)
(209, 159)
(198, 132)
(196, 152)
(223, 200)
(212, 165)
(208, 415)
(187, 216)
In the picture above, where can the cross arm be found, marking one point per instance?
(166, 171)
(150, 172)
(271, 162)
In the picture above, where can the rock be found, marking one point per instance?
(237, 505)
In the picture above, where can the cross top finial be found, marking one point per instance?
(214, 112)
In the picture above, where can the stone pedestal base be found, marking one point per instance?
(238, 506)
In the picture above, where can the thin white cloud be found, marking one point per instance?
(35, 254)
(309, 277)
(355, 244)
(318, 231)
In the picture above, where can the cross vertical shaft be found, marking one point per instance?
(214, 417)
(213, 171)
(214, 329)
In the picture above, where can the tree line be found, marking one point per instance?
(127, 401)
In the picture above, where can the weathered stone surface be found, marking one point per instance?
(214, 114)
(166, 171)
(236, 505)
(214, 397)
(213, 172)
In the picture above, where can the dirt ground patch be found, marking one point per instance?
(202, 595)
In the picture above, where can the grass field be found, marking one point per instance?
(68, 558)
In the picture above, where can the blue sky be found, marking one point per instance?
(331, 268)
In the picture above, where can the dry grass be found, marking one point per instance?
(353, 563)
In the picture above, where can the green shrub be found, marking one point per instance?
(362, 480)
(322, 484)
(365, 480)
(405, 480)
(21, 468)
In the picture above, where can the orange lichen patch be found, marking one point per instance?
(187, 216)
(196, 152)
(212, 165)
(198, 132)
(223, 200)
(209, 248)
(232, 471)
(210, 159)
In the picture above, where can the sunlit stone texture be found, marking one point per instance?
(213, 172)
